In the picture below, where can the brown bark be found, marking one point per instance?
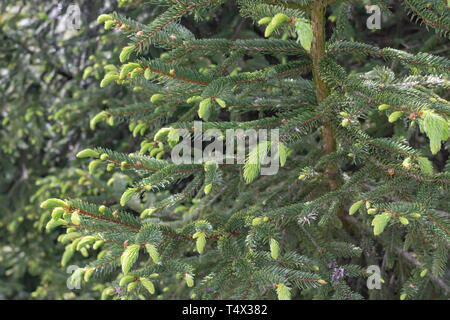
(318, 11)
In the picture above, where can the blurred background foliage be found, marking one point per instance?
(49, 90)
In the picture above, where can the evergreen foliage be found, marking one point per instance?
(48, 88)
(350, 193)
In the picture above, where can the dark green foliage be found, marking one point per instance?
(363, 139)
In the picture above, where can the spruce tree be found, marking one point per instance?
(350, 196)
